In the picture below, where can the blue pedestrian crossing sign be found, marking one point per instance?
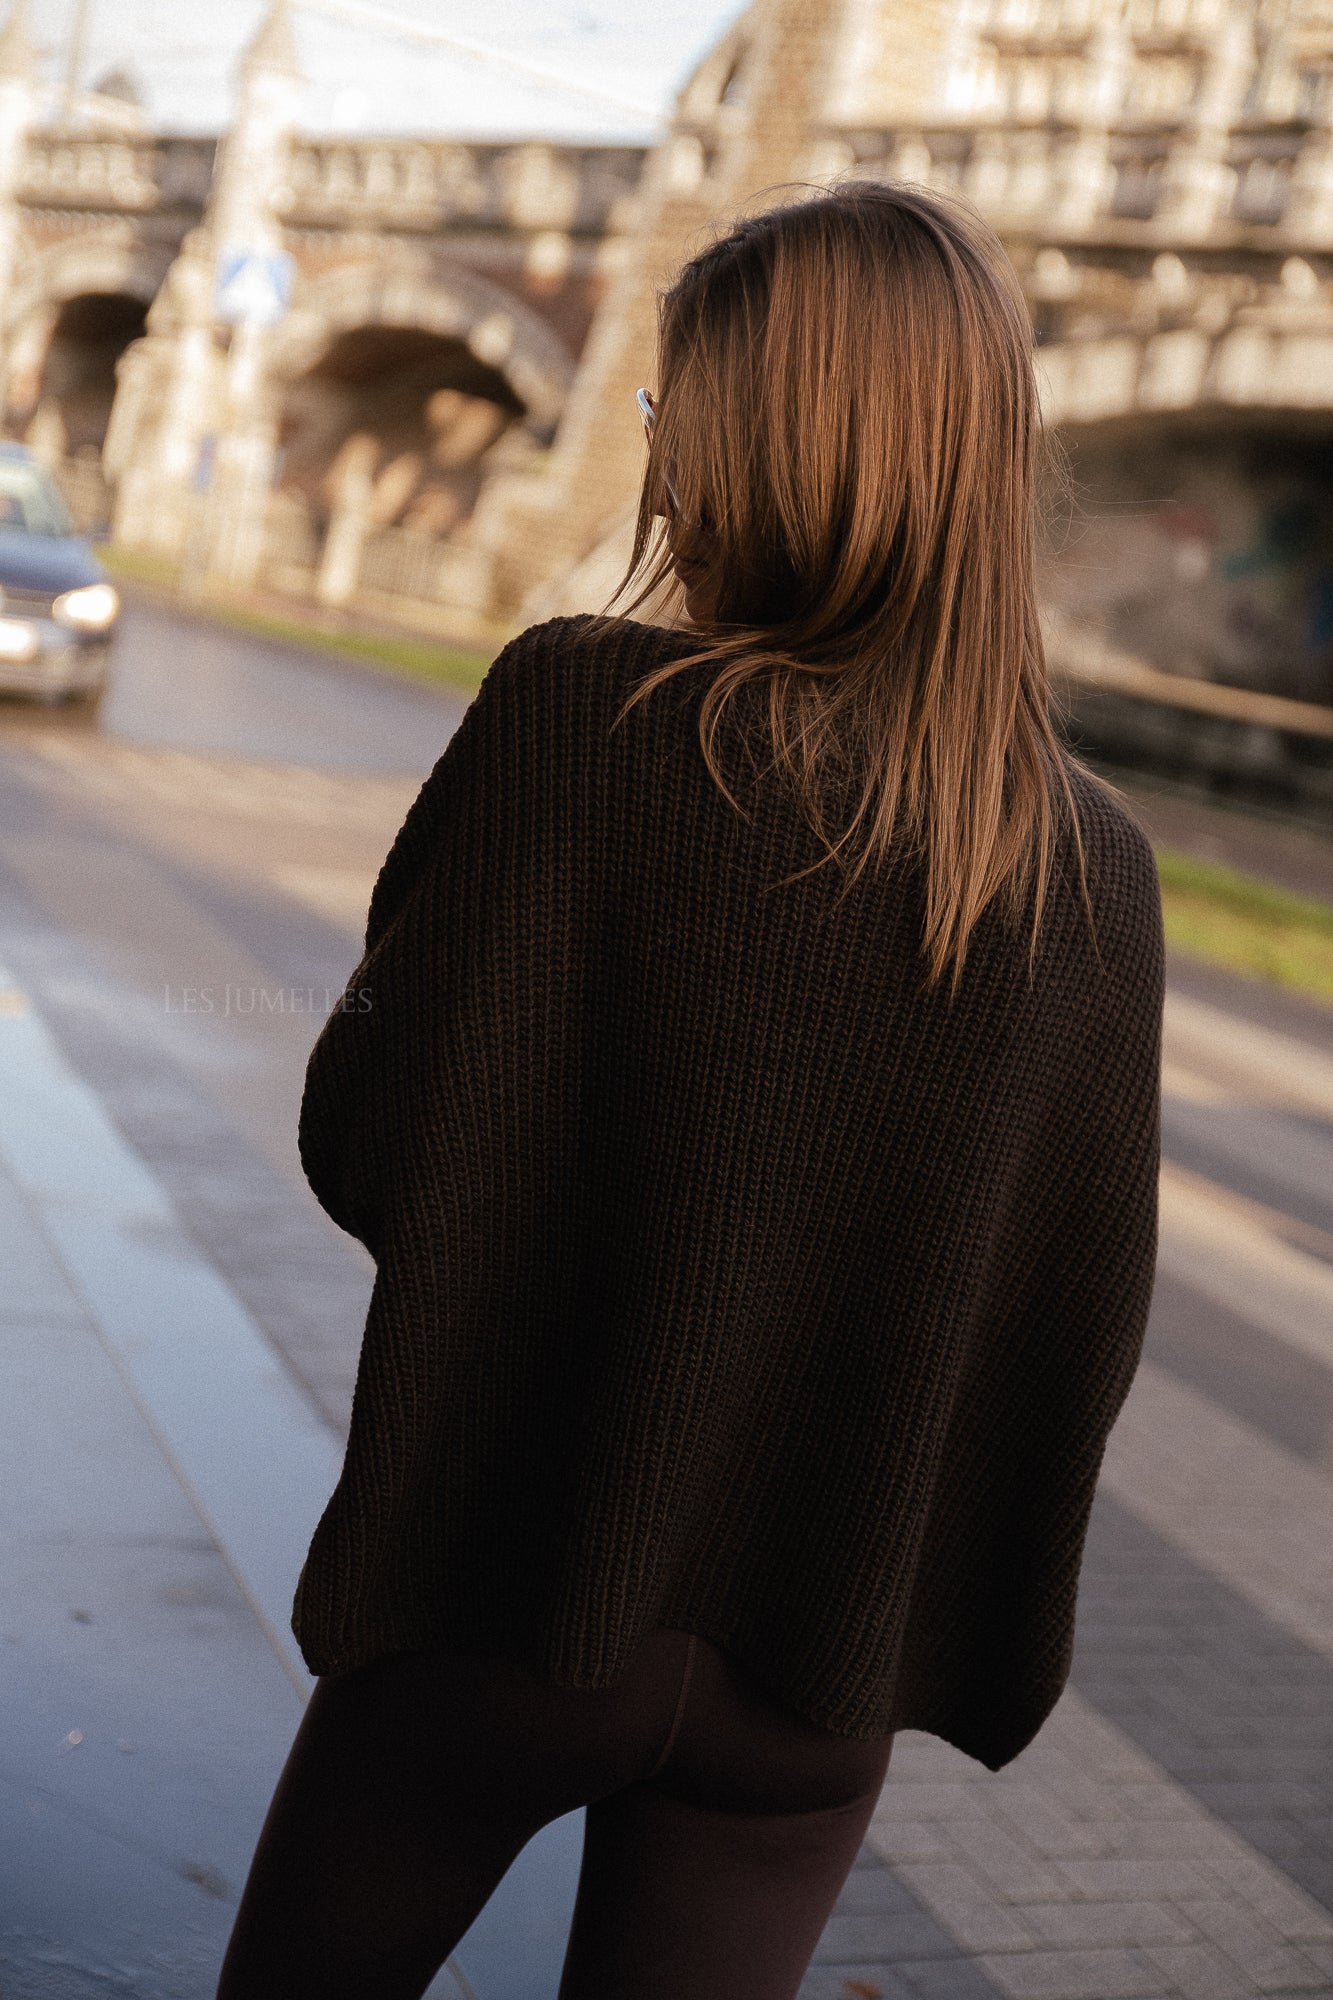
(254, 287)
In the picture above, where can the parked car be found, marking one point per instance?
(58, 612)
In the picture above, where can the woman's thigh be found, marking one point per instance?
(685, 1902)
(412, 1785)
(738, 1749)
(713, 1877)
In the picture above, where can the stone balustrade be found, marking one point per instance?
(1014, 169)
(1020, 176)
(435, 184)
(128, 174)
(417, 184)
(1055, 20)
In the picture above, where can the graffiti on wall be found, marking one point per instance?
(1207, 555)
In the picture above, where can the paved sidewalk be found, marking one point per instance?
(1169, 1836)
(147, 1705)
(160, 1474)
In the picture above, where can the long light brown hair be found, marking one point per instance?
(847, 411)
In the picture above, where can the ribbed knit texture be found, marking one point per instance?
(726, 1280)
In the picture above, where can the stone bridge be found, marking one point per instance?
(447, 404)
(421, 267)
(1161, 174)
(439, 236)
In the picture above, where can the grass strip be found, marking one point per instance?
(137, 565)
(1248, 925)
(422, 659)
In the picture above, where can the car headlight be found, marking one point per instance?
(18, 640)
(91, 608)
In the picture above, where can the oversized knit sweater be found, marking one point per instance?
(728, 1279)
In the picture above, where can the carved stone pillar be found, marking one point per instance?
(252, 171)
(353, 481)
(1087, 176)
(193, 429)
(167, 394)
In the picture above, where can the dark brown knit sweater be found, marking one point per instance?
(726, 1280)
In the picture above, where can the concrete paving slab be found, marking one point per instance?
(516, 1947)
(35, 1288)
(146, 1714)
(243, 1439)
(1241, 1508)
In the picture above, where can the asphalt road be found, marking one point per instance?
(183, 885)
(192, 869)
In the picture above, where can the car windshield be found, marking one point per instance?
(29, 502)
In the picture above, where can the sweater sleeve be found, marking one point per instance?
(441, 1125)
(450, 1061)
(1070, 1305)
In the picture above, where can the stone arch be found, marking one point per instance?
(1201, 533)
(716, 84)
(708, 110)
(497, 328)
(397, 393)
(73, 312)
(1200, 539)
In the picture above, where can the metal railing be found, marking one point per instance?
(403, 562)
(87, 493)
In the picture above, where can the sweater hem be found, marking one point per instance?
(993, 1752)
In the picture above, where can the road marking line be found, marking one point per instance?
(1190, 1088)
(1272, 1221)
